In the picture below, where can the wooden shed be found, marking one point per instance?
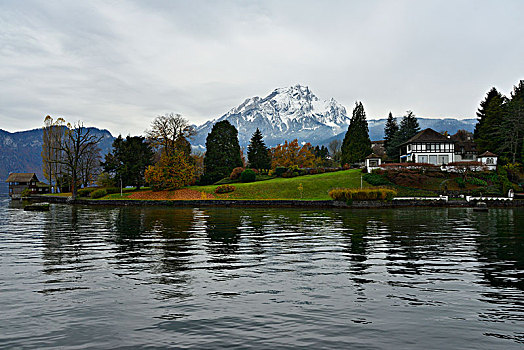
(18, 182)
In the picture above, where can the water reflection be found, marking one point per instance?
(226, 275)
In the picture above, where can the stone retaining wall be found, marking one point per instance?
(275, 203)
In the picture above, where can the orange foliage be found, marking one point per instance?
(290, 154)
(172, 172)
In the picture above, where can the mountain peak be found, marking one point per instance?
(284, 114)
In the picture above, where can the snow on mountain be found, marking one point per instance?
(285, 114)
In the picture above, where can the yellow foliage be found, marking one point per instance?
(366, 194)
(172, 172)
(291, 154)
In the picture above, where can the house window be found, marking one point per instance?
(433, 160)
(489, 161)
(409, 148)
(443, 159)
(423, 147)
(422, 159)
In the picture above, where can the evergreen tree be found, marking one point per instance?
(490, 118)
(390, 131)
(257, 153)
(408, 127)
(356, 145)
(512, 129)
(128, 160)
(222, 152)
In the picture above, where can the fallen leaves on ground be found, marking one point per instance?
(182, 194)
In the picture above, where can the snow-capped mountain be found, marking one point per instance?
(285, 114)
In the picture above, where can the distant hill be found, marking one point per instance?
(20, 151)
(451, 125)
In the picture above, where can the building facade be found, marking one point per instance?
(428, 146)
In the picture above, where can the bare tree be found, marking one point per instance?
(90, 165)
(77, 143)
(53, 132)
(335, 149)
(171, 131)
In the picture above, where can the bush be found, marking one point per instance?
(368, 194)
(235, 174)
(85, 192)
(111, 190)
(102, 192)
(289, 174)
(248, 175)
(224, 189)
(460, 182)
(477, 182)
(279, 170)
(376, 179)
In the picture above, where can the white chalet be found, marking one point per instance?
(428, 146)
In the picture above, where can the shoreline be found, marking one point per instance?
(276, 203)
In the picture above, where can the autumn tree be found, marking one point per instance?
(222, 152)
(171, 172)
(53, 133)
(356, 145)
(257, 152)
(291, 154)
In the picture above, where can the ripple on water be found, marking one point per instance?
(256, 278)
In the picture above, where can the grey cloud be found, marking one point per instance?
(118, 64)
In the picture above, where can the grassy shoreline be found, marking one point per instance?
(314, 188)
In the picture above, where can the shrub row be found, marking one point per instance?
(224, 189)
(351, 194)
(85, 192)
(101, 192)
(376, 179)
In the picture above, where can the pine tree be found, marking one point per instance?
(222, 152)
(356, 145)
(408, 127)
(257, 153)
(511, 132)
(490, 118)
(390, 130)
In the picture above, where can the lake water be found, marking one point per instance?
(86, 277)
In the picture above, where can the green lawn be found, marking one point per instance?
(315, 187)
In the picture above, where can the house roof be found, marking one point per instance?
(372, 155)
(41, 184)
(428, 135)
(464, 142)
(21, 177)
(488, 154)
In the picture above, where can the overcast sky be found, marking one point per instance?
(118, 64)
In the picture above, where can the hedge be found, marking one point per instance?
(99, 193)
(368, 194)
